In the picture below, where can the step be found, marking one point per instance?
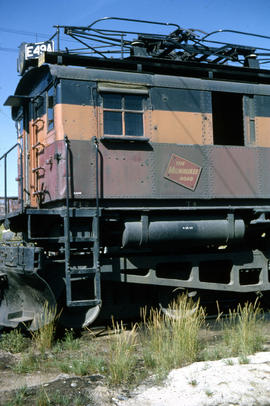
(21, 316)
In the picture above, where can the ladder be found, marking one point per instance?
(78, 272)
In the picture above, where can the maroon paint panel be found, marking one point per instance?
(129, 170)
(126, 172)
(234, 172)
(52, 180)
(83, 169)
(264, 171)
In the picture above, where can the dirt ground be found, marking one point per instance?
(42, 388)
(200, 384)
(188, 386)
(49, 387)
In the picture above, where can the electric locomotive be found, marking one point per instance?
(143, 167)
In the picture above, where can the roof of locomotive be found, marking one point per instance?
(148, 59)
(37, 79)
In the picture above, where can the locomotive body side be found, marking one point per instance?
(220, 131)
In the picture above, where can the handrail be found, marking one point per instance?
(67, 185)
(4, 156)
(181, 44)
(134, 21)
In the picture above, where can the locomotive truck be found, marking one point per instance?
(143, 168)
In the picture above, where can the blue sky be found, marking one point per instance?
(32, 21)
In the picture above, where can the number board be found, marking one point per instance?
(32, 51)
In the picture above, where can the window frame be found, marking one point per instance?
(49, 98)
(123, 111)
(43, 105)
(39, 106)
(124, 91)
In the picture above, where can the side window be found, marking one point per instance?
(39, 107)
(50, 112)
(19, 126)
(123, 114)
(43, 105)
(228, 119)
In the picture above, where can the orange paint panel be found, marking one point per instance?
(262, 129)
(79, 122)
(85, 122)
(148, 127)
(58, 123)
(181, 127)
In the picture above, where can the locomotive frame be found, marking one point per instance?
(147, 170)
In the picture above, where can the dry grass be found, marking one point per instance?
(171, 339)
(122, 358)
(240, 333)
(242, 329)
(43, 337)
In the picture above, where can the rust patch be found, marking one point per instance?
(183, 172)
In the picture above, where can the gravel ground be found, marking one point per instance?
(212, 383)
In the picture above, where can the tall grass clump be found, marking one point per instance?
(242, 329)
(171, 337)
(241, 333)
(43, 337)
(122, 355)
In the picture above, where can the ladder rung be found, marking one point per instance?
(91, 302)
(79, 278)
(78, 239)
(81, 271)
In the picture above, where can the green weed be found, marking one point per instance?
(229, 362)
(70, 342)
(45, 399)
(27, 364)
(84, 365)
(14, 341)
(19, 398)
(243, 359)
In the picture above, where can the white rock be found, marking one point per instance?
(211, 383)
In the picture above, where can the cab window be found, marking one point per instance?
(123, 114)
